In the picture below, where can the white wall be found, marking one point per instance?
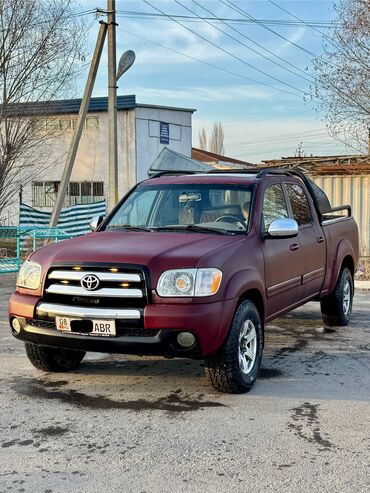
(148, 144)
(138, 146)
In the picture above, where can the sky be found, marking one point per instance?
(253, 77)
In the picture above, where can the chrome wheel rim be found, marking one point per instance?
(346, 297)
(247, 347)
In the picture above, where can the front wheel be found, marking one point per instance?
(52, 358)
(336, 308)
(235, 367)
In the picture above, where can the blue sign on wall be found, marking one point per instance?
(164, 133)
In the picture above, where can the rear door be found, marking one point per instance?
(281, 255)
(312, 244)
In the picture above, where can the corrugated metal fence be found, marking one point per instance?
(353, 190)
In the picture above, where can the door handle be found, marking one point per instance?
(294, 246)
(320, 239)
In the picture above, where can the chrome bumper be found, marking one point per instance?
(54, 309)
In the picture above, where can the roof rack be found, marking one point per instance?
(234, 170)
(174, 172)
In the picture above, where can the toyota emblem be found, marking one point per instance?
(90, 282)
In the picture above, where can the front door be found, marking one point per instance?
(281, 256)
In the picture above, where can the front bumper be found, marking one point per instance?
(209, 322)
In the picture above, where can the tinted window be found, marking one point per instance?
(274, 205)
(300, 207)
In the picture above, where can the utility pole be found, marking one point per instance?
(80, 124)
(112, 106)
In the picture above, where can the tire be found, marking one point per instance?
(336, 308)
(52, 358)
(232, 369)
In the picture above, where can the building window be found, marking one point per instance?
(44, 193)
(65, 124)
(92, 123)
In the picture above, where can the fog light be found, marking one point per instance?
(16, 326)
(186, 339)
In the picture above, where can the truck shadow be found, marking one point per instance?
(302, 359)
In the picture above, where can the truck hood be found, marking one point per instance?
(158, 251)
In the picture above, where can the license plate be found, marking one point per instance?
(105, 328)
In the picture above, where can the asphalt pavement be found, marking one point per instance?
(132, 424)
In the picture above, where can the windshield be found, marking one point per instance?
(200, 208)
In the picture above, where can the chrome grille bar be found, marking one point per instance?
(72, 275)
(65, 289)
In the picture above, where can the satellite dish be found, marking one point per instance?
(125, 62)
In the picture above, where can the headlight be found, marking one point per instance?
(29, 275)
(189, 282)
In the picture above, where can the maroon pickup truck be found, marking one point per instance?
(189, 265)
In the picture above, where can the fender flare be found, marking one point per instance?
(243, 281)
(344, 249)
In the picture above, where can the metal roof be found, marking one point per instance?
(212, 158)
(170, 160)
(63, 106)
(70, 106)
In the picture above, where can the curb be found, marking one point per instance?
(362, 285)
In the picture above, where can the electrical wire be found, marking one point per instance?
(260, 46)
(238, 9)
(189, 18)
(326, 61)
(227, 52)
(217, 67)
(314, 28)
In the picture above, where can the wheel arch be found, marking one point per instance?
(349, 263)
(256, 297)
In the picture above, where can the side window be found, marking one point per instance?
(300, 207)
(274, 205)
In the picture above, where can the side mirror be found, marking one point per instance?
(283, 228)
(95, 222)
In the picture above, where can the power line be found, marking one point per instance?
(326, 61)
(202, 61)
(260, 46)
(246, 46)
(225, 51)
(245, 14)
(189, 18)
(303, 22)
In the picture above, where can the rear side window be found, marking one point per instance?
(300, 207)
(274, 205)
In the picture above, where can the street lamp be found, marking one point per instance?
(125, 62)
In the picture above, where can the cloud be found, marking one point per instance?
(196, 94)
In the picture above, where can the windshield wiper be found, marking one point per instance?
(129, 227)
(195, 227)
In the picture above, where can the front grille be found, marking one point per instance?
(116, 287)
(105, 292)
(121, 328)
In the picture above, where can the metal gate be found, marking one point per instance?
(16, 243)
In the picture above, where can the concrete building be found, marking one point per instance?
(143, 130)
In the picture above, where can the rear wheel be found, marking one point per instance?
(336, 308)
(235, 367)
(53, 359)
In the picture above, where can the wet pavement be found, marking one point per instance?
(154, 425)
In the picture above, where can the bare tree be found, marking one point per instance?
(342, 76)
(203, 139)
(216, 142)
(41, 53)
